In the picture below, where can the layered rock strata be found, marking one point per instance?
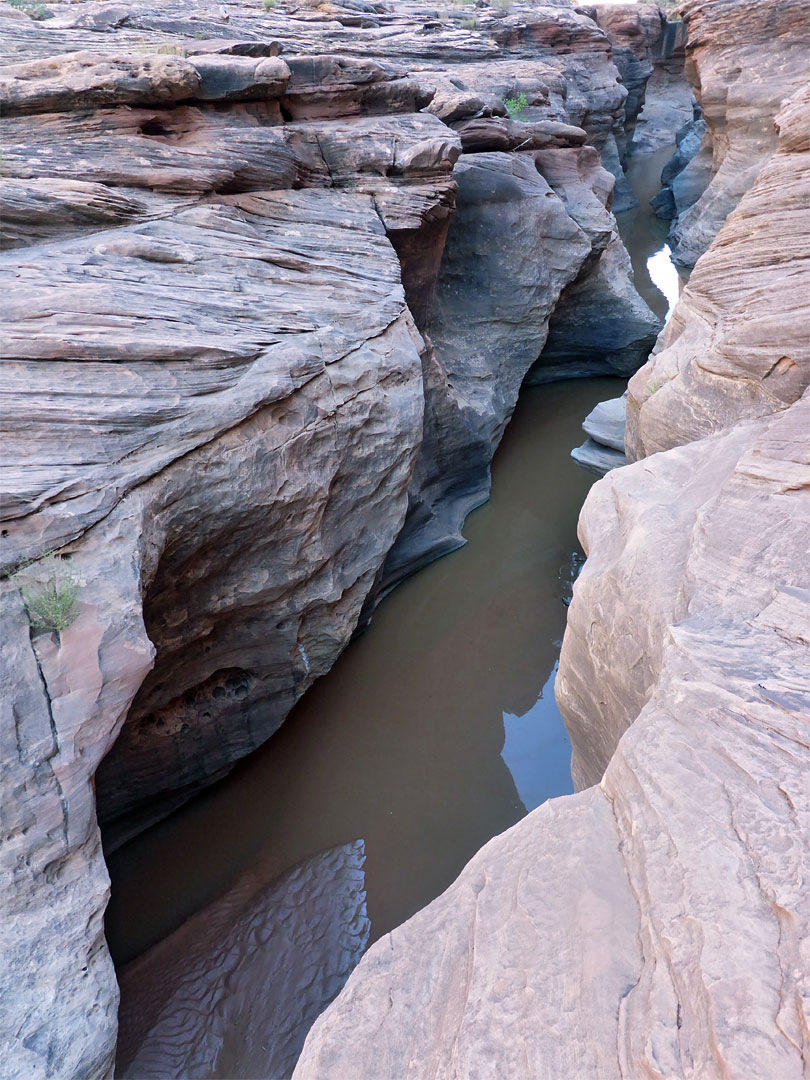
(217, 257)
(737, 345)
(656, 923)
(562, 275)
(743, 61)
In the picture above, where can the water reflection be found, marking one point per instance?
(657, 278)
(537, 750)
(664, 275)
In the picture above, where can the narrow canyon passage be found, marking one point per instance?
(434, 731)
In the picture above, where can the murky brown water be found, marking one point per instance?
(434, 731)
(645, 236)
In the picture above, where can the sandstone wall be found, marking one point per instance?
(743, 61)
(737, 345)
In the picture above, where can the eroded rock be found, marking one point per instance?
(744, 61)
(737, 345)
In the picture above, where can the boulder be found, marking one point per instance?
(85, 80)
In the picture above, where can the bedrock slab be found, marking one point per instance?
(655, 924)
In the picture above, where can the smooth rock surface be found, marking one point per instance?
(597, 458)
(490, 318)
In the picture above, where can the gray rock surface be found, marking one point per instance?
(604, 425)
(606, 422)
(688, 172)
(598, 458)
(491, 316)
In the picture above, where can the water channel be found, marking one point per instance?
(433, 732)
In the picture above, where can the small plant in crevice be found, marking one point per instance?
(32, 8)
(269, 5)
(51, 594)
(652, 386)
(516, 105)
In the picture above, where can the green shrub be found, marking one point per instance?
(269, 5)
(516, 105)
(51, 598)
(33, 9)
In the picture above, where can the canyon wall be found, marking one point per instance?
(655, 924)
(743, 61)
(234, 376)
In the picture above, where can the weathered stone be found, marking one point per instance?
(240, 78)
(604, 425)
(86, 80)
(488, 325)
(737, 344)
(215, 324)
(743, 61)
(599, 459)
(689, 171)
(245, 399)
(606, 422)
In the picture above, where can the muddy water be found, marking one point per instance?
(433, 732)
(645, 236)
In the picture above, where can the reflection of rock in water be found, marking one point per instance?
(234, 991)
